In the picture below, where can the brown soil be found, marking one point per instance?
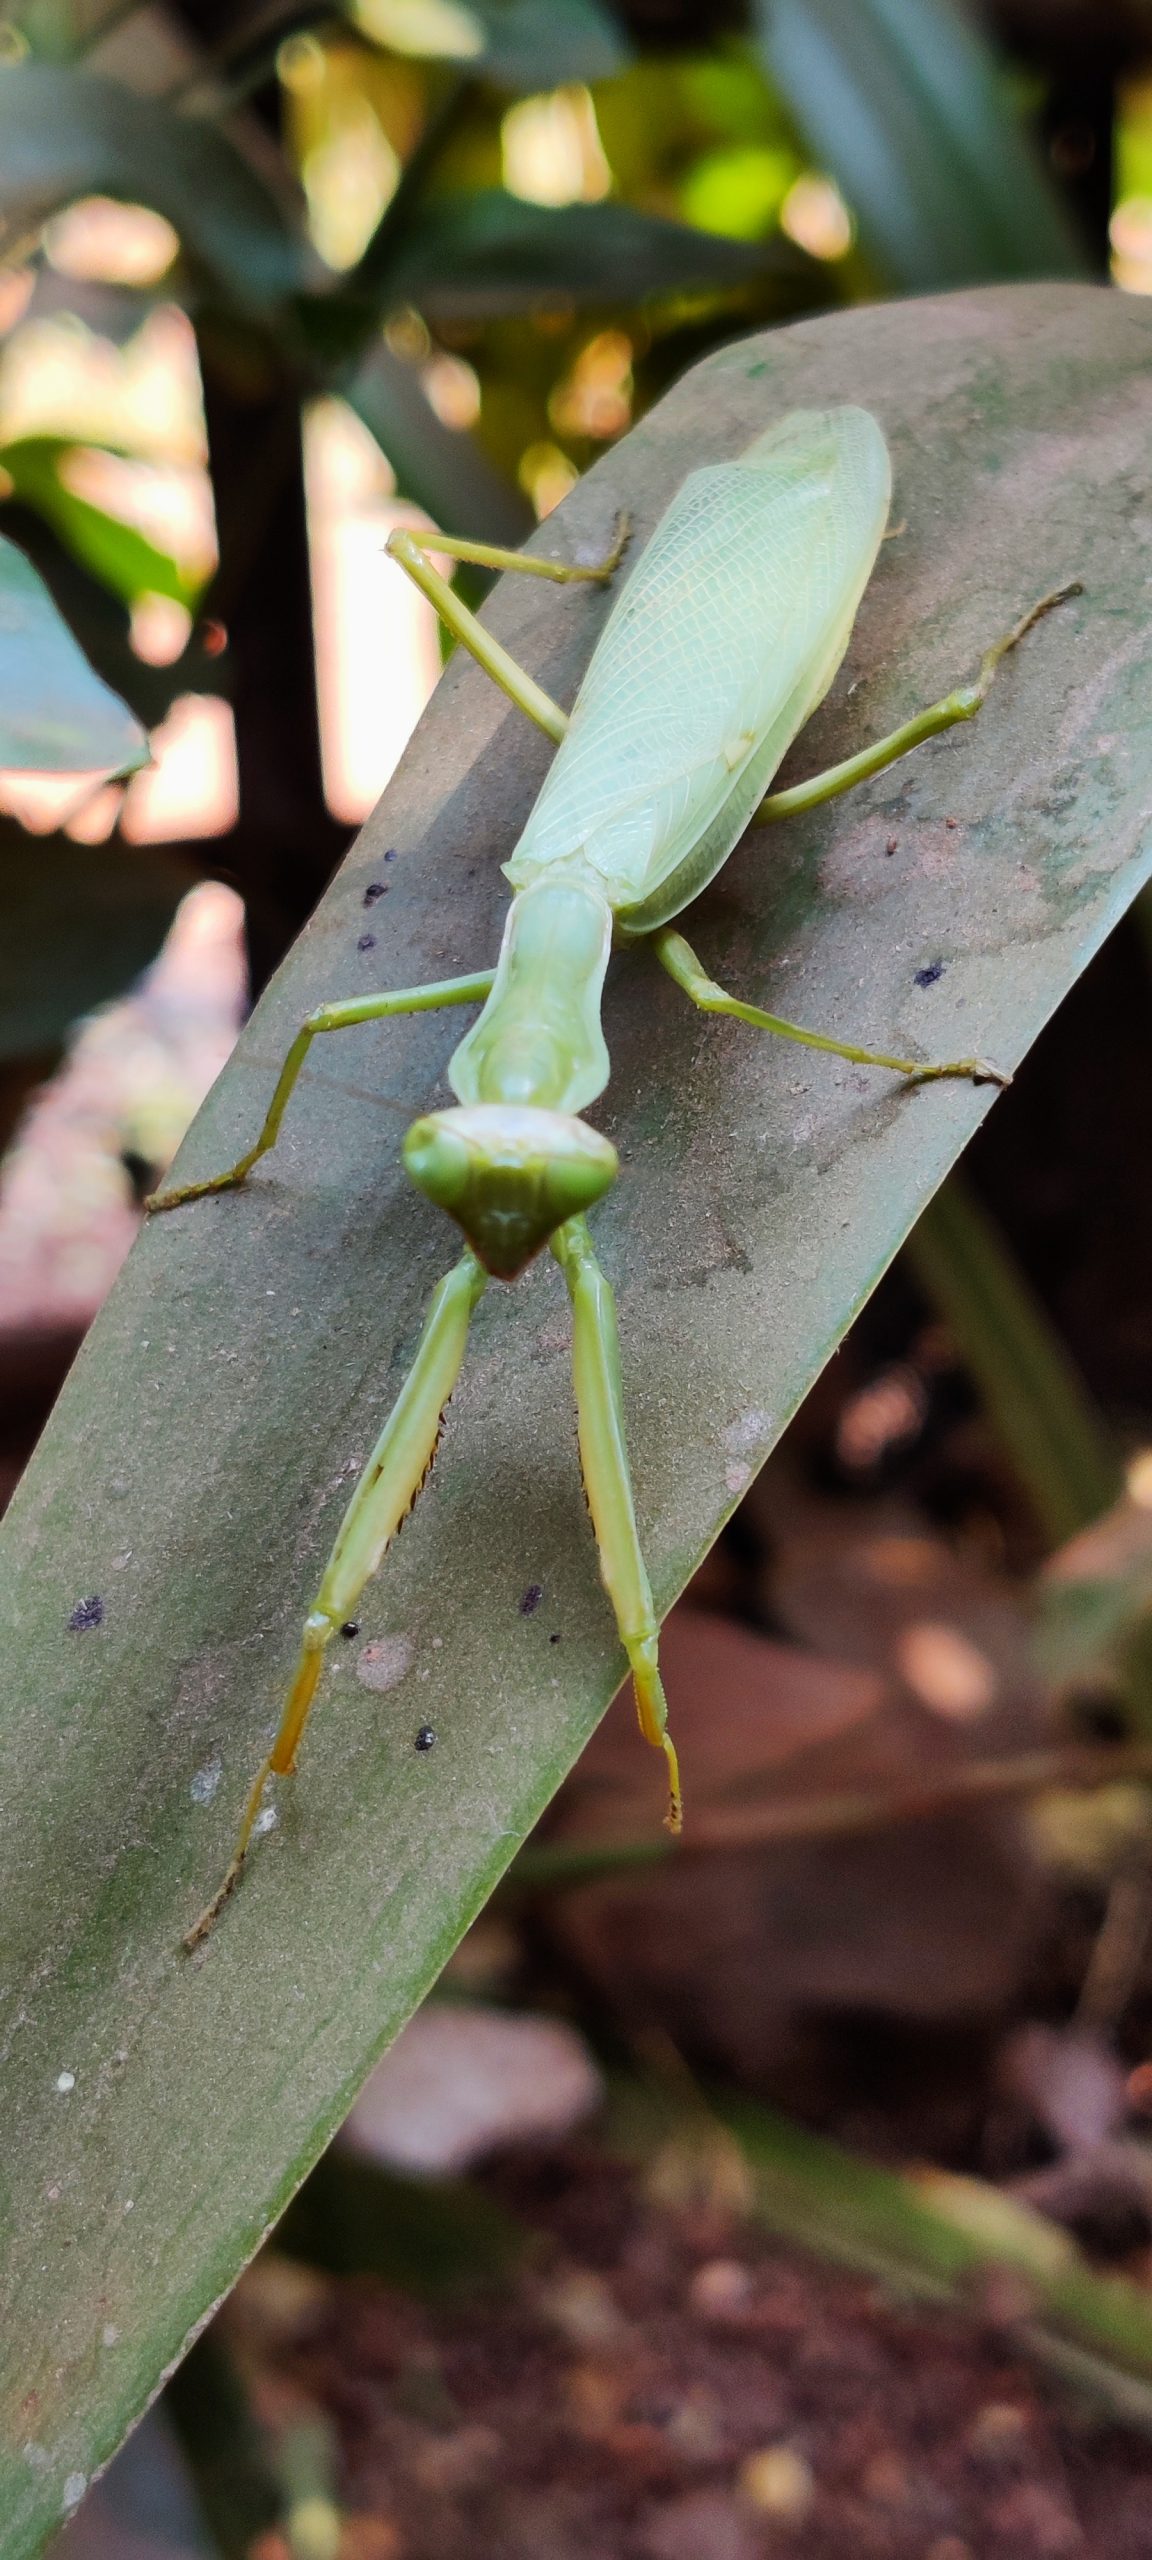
(665, 2384)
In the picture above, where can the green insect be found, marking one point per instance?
(726, 637)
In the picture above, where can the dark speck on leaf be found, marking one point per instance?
(87, 1613)
(367, 942)
(350, 1628)
(891, 845)
(425, 1738)
(554, 1639)
(375, 889)
(927, 977)
(532, 1599)
(390, 856)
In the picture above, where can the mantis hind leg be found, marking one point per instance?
(681, 963)
(963, 704)
(608, 1484)
(328, 1017)
(390, 1483)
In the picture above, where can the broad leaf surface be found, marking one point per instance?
(56, 714)
(158, 2113)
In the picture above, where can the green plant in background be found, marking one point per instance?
(527, 225)
(157, 1621)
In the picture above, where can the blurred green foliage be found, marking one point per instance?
(515, 185)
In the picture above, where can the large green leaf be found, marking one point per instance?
(118, 555)
(474, 256)
(158, 2113)
(56, 715)
(101, 623)
(903, 102)
(66, 133)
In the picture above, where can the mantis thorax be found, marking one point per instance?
(515, 1162)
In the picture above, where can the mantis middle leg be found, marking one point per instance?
(681, 963)
(608, 1484)
(328, 1017)
(963, 704)
(390, 1483)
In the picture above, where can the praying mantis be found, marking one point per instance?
(725, 639)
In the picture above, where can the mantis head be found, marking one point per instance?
(509, 1175)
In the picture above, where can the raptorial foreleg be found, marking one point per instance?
(385, 1494)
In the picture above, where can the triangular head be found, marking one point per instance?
(509, 1175)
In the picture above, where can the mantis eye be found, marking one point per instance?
(508, 1175)
(438, 1160)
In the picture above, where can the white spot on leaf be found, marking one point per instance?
(207, 1780)
(385, 1662)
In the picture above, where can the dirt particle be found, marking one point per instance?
(928, 977)
(87, 1613)
(532, 1599)
(375, 889)
(367, 942)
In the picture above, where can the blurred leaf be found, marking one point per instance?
(936, 2235)
(439, 467)
(902, 102)
(739, 191)
(117, 554)
(199, 1459)
(55, 714)
(227, 2452)
(101, 624)
(80, 923)
(66, 133)
(427, 2235)
(540, 44)
(516, 44)
(1096, 1607)
(1035, 1397)
(469, 256)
